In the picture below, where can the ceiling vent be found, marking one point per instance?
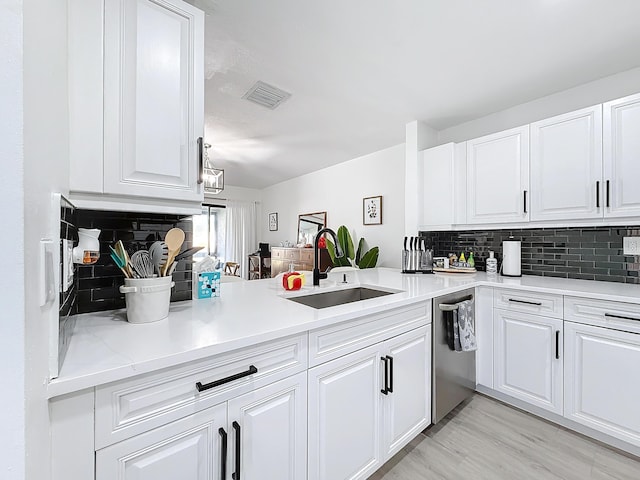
(266, 95)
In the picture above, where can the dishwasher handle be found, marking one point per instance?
(449, 307)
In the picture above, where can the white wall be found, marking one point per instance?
(12, 341)
(339, 191)
(586, 95)
(46, 153)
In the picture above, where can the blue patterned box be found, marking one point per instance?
(208, 284)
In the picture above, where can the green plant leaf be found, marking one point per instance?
(345, 242)
(369, 259)
(360, 250)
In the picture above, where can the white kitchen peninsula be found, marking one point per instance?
(127, 399)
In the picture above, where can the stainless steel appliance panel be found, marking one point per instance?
(454, 373)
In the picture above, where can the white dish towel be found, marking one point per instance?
(467, 326)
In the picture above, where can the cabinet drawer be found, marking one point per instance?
(130, 407)
(603, 313)
(332, 342)
(545, 304)
(306, 256)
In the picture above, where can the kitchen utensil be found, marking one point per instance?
(174, 240)
(405, 257)
(159, 254)
(118, 261)
(189, 252)
(124, 257)
(141, 263)
(426, 259)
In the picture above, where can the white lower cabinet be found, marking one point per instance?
(272, 425)
(602, 380)
(188, 448)
(364, 406)
(259, 435)
(528, 358)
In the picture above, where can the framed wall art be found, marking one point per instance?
(372, 210)
(273, 222)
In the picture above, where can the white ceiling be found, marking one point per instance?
(359, 70)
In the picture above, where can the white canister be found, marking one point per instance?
(511, 258)
(147, 299)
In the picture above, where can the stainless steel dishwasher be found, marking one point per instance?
(453, 373)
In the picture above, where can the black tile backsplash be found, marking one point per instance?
(588, 253)
(98, 284)
(68, 299)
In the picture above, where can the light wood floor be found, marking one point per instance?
(485, 439)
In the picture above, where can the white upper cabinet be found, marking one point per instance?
(498, 177)
(566, 166)
(139, 134)
(622, 157)
(442, 192)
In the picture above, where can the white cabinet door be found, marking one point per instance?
(407, 407)
(153, 98)
(188, 448)
(602, 380)
(271, 423)
(345, 417)
(498, 177)
(566, 166)
(622, 157)
(528, 358)
(442, 186)
(484, 336)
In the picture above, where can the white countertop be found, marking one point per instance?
(104, 347)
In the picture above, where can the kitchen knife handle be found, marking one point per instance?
(405, 243)
(598, 194)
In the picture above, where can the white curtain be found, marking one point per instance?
(240, 238)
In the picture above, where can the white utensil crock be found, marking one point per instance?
(147, 299)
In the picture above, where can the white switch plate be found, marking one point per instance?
(631, 245)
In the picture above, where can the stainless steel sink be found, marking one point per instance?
(339, 297)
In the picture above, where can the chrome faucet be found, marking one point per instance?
(317, 275)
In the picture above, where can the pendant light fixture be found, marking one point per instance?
(213, 177)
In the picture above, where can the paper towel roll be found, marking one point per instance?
(511, 258)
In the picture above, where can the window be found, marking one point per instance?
(209, 231)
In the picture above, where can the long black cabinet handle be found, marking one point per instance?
(514, 300)
(608, 191)
(611, 315)
(598, 194)
(557, 344)
(525, 201)
(223, 457)
(385, 390)
(222, 381)
(200, 160)
(390, 389)
(236, 474)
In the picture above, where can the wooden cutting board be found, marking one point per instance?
(455, 270)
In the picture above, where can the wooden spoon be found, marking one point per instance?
(174, 240)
